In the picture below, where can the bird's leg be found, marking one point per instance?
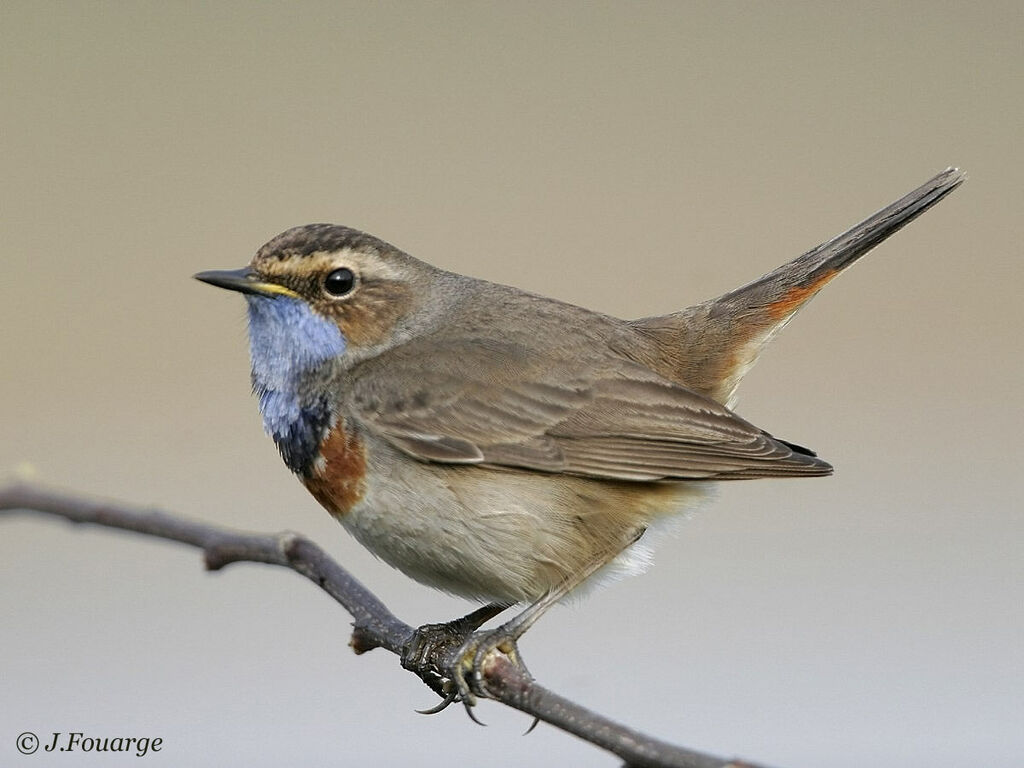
(478, 646)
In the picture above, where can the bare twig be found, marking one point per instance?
(374, 625)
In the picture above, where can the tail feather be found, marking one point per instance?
(711, 346)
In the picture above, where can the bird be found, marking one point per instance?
(501, 445)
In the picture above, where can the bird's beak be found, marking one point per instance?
(244, 280)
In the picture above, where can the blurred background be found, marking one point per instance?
(631, 157)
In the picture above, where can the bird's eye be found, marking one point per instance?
(339, 282)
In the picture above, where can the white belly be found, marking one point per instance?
(502, 535)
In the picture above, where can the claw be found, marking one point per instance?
(449, 698)
(533, 725)
(469, 711)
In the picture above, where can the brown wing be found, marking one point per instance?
(493, 405)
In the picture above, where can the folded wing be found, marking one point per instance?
(616, 421)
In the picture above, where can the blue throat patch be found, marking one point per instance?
(287, 340)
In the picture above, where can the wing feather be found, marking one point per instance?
(614, 420)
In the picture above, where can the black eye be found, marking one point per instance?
(339, 282)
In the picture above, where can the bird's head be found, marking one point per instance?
(323, 292)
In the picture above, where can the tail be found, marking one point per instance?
(711, 346)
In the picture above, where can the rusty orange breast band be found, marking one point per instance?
(338, 479)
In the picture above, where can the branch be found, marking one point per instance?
(374, 625)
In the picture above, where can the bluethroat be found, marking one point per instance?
(502, 445)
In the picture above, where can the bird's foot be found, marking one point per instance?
(451, 657)
(474, 654)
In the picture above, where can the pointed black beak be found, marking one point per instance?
(244, 280)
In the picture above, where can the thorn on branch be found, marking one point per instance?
(363, 640)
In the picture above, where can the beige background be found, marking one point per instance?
(634, 158)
